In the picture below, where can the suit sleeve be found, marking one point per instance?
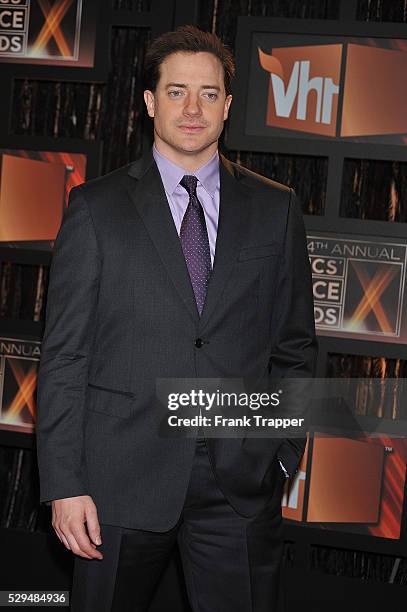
(67, 340)
(294, 352)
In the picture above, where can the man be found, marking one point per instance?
(180, 265)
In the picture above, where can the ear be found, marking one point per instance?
(228, 102)
(149, 101)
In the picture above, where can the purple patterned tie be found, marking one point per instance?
(195, 242)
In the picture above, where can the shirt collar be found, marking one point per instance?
(171, 174)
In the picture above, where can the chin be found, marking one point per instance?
(191, 147)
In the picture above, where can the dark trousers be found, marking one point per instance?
(231, 563)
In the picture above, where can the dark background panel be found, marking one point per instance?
(307, 174)
(374, 189)
(382, 10)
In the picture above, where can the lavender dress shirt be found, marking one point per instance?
(207, 190)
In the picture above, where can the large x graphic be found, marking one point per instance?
(52, 26)
(26, 387)
(373, 290)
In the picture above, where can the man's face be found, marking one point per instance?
(189, 105)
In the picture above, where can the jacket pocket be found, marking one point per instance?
(256, 252)
(106, 400)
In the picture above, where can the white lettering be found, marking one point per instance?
(12, 20)
(300, 83)
(306, 85)
(284, 100)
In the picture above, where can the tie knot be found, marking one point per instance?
(189, 182)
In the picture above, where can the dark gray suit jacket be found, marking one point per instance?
(121, 313)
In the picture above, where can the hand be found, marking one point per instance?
(69, 516)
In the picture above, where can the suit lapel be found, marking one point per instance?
(148, 195)
(232, 225)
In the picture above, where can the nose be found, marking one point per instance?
(192, 105)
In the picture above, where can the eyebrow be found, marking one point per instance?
(184, 86)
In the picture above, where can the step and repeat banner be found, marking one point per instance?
(337, 92)
(310, 91)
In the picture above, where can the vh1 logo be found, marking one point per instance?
(305, 88)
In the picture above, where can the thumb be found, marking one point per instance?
(92, 524)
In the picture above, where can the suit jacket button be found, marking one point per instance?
(199, 342)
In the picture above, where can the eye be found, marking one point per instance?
(211, 96)
(175, 93)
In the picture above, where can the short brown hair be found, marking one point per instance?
(188, 39)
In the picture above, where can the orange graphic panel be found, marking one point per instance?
(346, 481)
(31, 199)
(375, 92)
(34, 189)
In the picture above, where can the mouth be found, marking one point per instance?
(192, 129)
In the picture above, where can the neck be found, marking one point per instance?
(189, 161)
